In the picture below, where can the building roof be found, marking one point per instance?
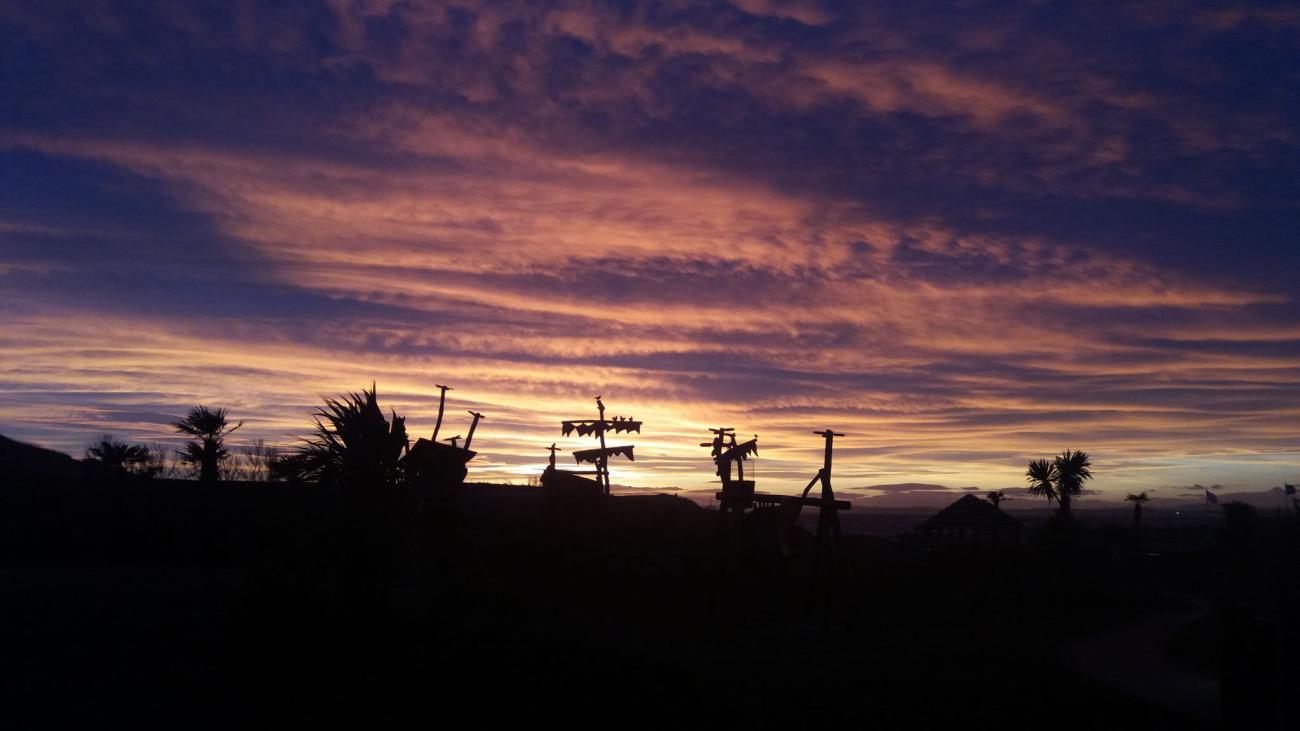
(970, 512)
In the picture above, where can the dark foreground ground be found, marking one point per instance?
(172, 604)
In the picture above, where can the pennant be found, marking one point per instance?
(584, 428)
(623, 425)
(594, 456)
(741, 451)
(587, 428)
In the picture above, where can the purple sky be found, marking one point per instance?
(966, 235)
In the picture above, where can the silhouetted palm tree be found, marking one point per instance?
(1042, 478)
(1073, 468)
(996, 497)
(1137, 501)
(120, 456)
(1060, 479)
(354, 445)
(210, 428)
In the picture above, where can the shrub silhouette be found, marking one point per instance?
(120, 456)
(353, 445)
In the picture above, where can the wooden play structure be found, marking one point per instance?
(738, 495)
(434, 464)
(574, 480)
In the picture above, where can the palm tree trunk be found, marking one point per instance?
(208, 471)
(1065, 503)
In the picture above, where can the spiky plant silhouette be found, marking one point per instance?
(120, 456)
(353, 445)
(209, 428)
(1061, 478)
(1137, 500)
(1042, 478)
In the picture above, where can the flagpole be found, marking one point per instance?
(1209, 516)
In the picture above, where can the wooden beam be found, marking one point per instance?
(760, 497)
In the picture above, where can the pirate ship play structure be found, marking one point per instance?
(442, 464)
(574, 481)
(738, 495)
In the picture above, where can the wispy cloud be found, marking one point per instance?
(967, 239)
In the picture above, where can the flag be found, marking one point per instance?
(594, 455)
(1211, 497)
(1290, 489)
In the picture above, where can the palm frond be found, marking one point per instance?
(119, 455)
(201, 421)
(1042, 475)
(209, 428)
(1073, 468)
(351, 443)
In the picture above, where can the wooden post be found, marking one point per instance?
(602, 464)
(719, 444)
(740, 463)
(828, 529)
(828, 522)
(442, 402)
(600, 456)
(473, 425)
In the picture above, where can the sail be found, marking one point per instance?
(622, 425)
(588, 427)
(741, 451)
(594, 456)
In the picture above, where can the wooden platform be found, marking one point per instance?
(763, 498)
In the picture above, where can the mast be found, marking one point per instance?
(598, 428)
(442, 402)
(602, 467)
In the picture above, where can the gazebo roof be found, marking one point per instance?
(970, 512)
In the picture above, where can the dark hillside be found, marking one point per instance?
(180, 603)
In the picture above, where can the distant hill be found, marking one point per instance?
(19, 459)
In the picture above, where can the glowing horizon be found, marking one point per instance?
(774, 216)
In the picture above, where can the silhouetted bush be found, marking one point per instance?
(120, 457)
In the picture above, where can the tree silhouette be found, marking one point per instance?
(996, 497)
(209, 428)
(161, 462)
(256, 461)
(353, 445)
(120, 456)
(1073, 468)
(1137, 500)
(1061, 478)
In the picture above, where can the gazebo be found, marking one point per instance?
(971, 521)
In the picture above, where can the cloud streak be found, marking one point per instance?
(779, 215)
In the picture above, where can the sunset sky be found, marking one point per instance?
(964, 234)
